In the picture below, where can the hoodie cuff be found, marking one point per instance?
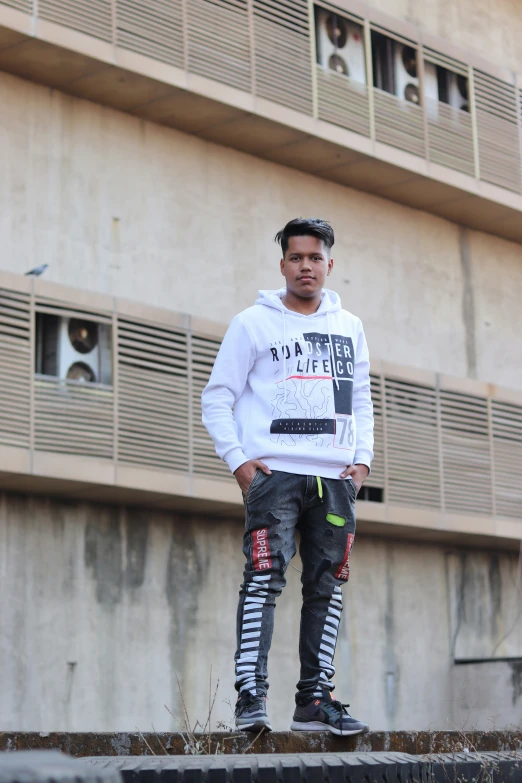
(235, 458)
(362, 457)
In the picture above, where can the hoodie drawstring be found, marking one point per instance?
(332, 358)
(284, 353)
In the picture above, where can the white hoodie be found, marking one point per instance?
(275, 395)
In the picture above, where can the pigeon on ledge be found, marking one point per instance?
(38, 270)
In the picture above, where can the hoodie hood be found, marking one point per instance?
(330, 302)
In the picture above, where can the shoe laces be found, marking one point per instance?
(337, 708)
(250, 700)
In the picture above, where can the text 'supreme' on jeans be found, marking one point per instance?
(323, 510)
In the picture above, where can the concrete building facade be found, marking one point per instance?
(152, 185)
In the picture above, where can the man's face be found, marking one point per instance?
(305, 266)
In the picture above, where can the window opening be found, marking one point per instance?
(445, 86)
(73, 349)
(340, 44)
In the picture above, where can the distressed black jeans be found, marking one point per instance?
(323, 510)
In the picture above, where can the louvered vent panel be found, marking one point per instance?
(15, 368)
(498, 135)
(376, 477)
(507, 448)
(412, 443)
(92, 17)
(219, 41)
(282, 53)
(61, 307)
(437, 58)
(343, 101)
(204, 457)
(450, 137)
(153, 28)
(73, 418)
(153, 396)
(466, 454)
(398, 123)
(20, 5)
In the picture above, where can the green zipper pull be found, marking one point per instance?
(320, 488)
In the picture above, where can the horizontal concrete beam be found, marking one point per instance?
(85, 67)
(138, 744)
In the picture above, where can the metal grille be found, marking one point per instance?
(450, 136)
(219, 41)
(429, 444)
(507, 451)
(376, 477)
(20, 5)
(15, 368)
(437, 58)
(153, 403)
(343, 101)
(72, 418)
(282, 53)
(92, 17)
(398, 123)
(466, 453)
(412, 444)
(498, 132)
(153, 28)
(205, 461)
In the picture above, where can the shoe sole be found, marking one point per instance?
(256, 726)
(318, 726)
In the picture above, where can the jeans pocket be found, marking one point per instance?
(257, 476)
(353, 488)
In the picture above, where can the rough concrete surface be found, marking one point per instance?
(122, 206)
(138, 744)
(105, 608)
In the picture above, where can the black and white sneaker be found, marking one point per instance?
(326, 714)
(251, 713)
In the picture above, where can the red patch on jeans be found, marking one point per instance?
(261, 550)
(343, 572)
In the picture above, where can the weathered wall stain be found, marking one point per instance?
(516, 680)
(103, 605)
(468, 302)
(389, 651)
(185, 577)
(136, 522)
(103, 553)
(483, 604)
(495, 591)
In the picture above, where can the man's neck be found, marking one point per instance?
(300, 305)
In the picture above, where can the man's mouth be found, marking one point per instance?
(306, 277)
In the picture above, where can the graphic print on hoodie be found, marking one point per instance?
(315, 395)
(292, 390)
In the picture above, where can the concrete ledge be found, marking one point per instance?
(136, 744)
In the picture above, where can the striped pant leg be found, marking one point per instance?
(325, 554)
(268, 545)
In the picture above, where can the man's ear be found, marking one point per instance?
(330, 265)
(282, 266)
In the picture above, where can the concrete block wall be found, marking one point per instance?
(102, 607)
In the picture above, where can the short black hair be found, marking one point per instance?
(304, 227)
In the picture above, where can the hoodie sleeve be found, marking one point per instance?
(362, 403)
(227, 381)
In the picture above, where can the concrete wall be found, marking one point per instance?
(491, 28)
(100, 608)
(122, 206)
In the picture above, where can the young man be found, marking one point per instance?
(288, 407)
